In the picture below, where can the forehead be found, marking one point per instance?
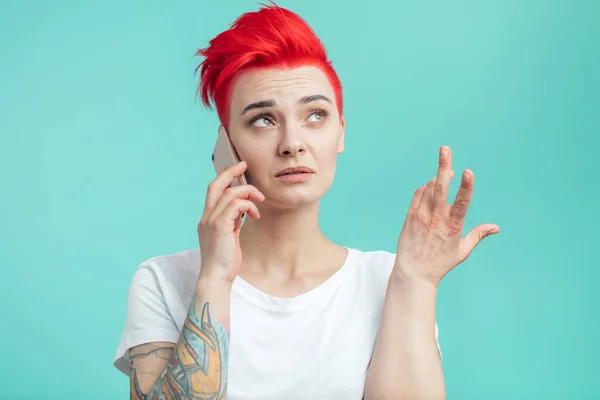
(280, 84)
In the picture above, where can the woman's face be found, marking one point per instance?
(287, 118)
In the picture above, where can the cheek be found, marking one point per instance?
(258, 166)
(327, 152)
(251, 153)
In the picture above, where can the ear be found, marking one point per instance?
(340, 148)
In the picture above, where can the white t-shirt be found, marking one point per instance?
(317, 345)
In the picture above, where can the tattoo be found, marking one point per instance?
(164, 353)
(159, 352)
(134, 388)
(198, 368)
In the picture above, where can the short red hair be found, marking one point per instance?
(272, 37)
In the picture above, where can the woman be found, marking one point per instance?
(275, 310)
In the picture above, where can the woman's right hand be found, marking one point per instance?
(220, 252)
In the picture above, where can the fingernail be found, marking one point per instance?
(469, 175)
(243, 163)
(443, 151)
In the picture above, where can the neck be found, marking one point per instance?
(283, 241)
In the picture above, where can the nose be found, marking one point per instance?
(291, 144)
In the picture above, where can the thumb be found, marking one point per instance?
(474, 237)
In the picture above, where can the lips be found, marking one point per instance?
(295, 170)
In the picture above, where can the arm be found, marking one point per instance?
(147, 361)
(406, 361)
(405, 364)
(196, 366)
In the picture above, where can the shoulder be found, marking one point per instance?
(165, 284)
(159, 295)
(171, 269)
(184, 259)
(374, 261)
(371, 268)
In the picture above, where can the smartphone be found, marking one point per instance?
(224, 156)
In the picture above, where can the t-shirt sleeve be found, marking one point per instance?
(148, 317)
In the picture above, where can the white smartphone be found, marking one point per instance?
(224, 156)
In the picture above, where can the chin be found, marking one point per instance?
(295, 197)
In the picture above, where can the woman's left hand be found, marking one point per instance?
(431, 242)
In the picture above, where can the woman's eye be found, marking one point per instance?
(262, 121)
(316, 116)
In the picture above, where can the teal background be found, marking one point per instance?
(104, 162)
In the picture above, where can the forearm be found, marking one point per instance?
(198, 369)
(406, 362)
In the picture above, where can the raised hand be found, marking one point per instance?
(431, 242)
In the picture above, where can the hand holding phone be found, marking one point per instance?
(228, 199)
(217, 233)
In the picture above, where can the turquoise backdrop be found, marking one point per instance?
(105, 158)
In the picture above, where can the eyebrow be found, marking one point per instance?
(314, 97)
(273, 103)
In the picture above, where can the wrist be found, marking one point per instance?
(216, 292)
(414, 298)
(411, 283)
(215, 274)
(210, 284)
(407, 277)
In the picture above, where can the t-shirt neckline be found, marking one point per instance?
(246, 290)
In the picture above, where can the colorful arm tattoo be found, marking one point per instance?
(198, 369)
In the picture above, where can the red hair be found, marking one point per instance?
(272, 37)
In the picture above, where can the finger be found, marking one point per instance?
(431, 183)
(245, 192)
(222, 181)
(427, 195)
(474, 237)
(458, 211)
(442, 181)
(234, 209)
(416, 199)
